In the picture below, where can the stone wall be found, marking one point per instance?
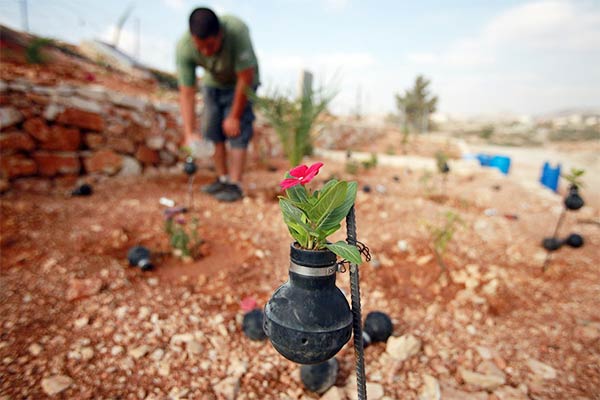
(66, 131)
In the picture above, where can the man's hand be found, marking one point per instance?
(231, 126)
(190, 138)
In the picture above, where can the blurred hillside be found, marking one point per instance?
(47, 62)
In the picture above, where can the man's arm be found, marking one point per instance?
(187, 104)
(231, 124)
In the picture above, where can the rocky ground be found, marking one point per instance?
(77, 322)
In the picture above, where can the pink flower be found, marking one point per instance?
(301, 175)
(248, 304)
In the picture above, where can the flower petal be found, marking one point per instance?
(312, 171)
(248, 304)
(289, 182)
(299, 171)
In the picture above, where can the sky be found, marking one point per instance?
(482, 57)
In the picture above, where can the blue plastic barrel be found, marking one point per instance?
(501, 162)
(484, 159)
(550, 176)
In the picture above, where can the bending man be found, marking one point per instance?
(222, 46)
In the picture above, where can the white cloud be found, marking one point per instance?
(542, 25)
(532, 57)
(546, 24)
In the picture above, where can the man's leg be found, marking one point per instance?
(211, 130)
(237, 155)
(220, 159)
(238, 160)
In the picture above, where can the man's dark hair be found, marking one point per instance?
(204, 23)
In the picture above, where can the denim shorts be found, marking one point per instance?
(217, 105)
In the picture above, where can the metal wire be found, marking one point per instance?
(356, 313)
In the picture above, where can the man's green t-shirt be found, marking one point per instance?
(236, 54)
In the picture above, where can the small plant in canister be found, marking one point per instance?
(378, 328)
(308, 319)
(139, 256)
(573, 202)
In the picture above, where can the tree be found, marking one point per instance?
(416, 105)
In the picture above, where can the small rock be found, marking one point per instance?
(450, 393)
(56, 384)
(35, 349)
(510, 393)
(483, 381)
(424, 259)
(334, 393)
(181, 338)
(540, 369)
(116, 350)
(86, 353)
(144, 313)
(178, 393)
(237, 368)
(403, 347)
(431, 389)
(402, 245)
(157, 354)
(164, 368)
(193, 347)
(228, 388)
(81, 322)
(139, 352)
(484, 352)
(121, 312)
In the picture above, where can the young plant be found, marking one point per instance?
(311, 217)
(442, 235)
(34, 53)
(425, 181)
(371, 162)
(351, 166)
(293, 120)
(183, 237)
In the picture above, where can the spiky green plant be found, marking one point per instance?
(293, 120)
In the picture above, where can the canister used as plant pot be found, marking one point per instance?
(308, 319)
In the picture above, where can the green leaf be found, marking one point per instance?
(346, 251)
(337, 215)
(295, 220)
(326, 203)
(328, 185)
(297, 194)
